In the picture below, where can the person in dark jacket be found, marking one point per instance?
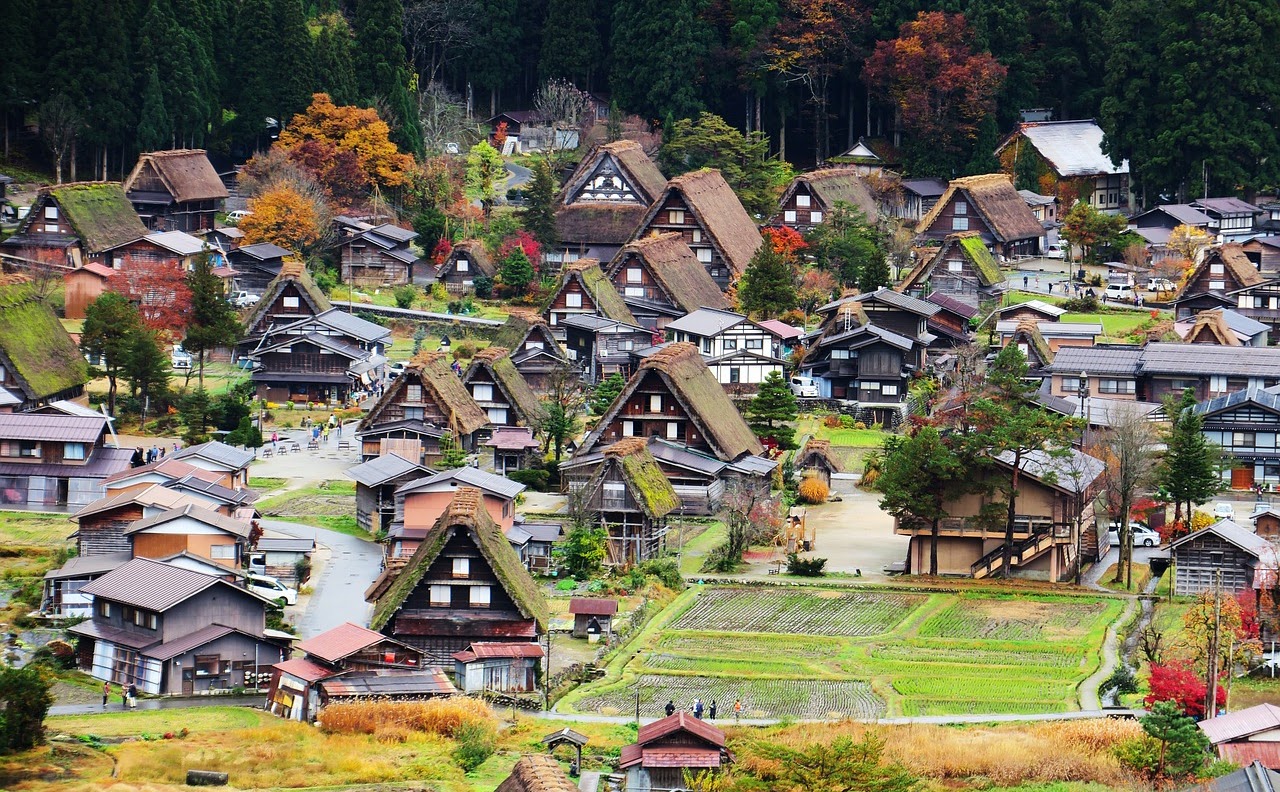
(670, 708)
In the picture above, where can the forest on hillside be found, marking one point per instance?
(1183, 88)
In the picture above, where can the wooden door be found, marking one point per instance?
(1242, 478)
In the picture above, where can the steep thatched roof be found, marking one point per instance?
(33, 344)
(520, 324)
(482, 263)
(598, 223)
(648, 485)
(1231, 256)
(290, 271)
(1211, 327)
(677, 270)
(494, 359)
(818, 452)
(465, 512)
(993, 197)
(837, 185)
(971, 246)
(591, 278)
(722, 216)
(99, 212)
(441, 385)
(635, 166)
(537, 773)
(1028, 332)
(185, 172)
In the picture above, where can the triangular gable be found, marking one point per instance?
(605, 181)
(522, 326)
(1211, 328)
(296, 281)
(649, 486)
(993, 197)
(1038, 351)
(441, 385)
(99, 213)
(674, 268)
(1238, 273)
(477, 256)
(597, 288)
(510, 381)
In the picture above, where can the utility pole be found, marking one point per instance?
(1211, 682)
(546, 676)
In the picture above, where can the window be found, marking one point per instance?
(628, 428)
(755, 343)
(633, 291)
(290, 302)
(1217, 269)
(222, 551)
(51, 213)
(73, 450)
(482, 391)
(51, 228)
(959, 224)
(815, 216)
(673, 430)
(962, 208)
(1070, 384)
(706, 346)
(497, 415)
(1179, 385)
(479, 596)
(104, 609)
(697, 235)
(655, 403)
(734, 376)
(889, 390)
(207, 665)
(1117, 386)
(1242, 439)
(573, 300)
(675, 216)
(1218, 383)
(802, 201)
(625, 345)
(839, 354)
(413, 393)
(1217, 285)
(614, 494)
(634, 275)
(729, 343)
(414, 414)
(463, 265)
(955, 266)
(461, 567)
(441, 596)
(789, 216)
(153, 622)
(1023, 349)
(871, 386)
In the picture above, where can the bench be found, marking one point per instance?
(313, 445)
(344, 445)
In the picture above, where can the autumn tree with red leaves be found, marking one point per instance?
(939, 87)
(159, 288)
(1177, 683)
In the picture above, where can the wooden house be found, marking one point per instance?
(1230, 218)
(55, 463)
(600, 347)
(917, 197)
(962, 269)
(702, 208)
(164, 471)
(951, 324)
(39, 363)
(810, 198)
(1223, 327)
(1160, 368)
(1033, 310)
(990, 206)
(593, 616)
(258, 264)
(501, 391)
(668, 748)
(231, 464)
(102, 524)
(463, 585)
(1070, 155)
(1226, 278)
(379, 256)
(534, 350)
(82, 286)
(1247, 737)
(538, 773)
(289, 297)
(324, 359)
(498, 667)
(1225, 551)
(1266, 523)
(739, 352)
(468, 260)
(513, 446)
(629, 495)
(171, 631)
(191, 529)
(660, 279)
(63, 597)
(870, 157)
(417, 409)
(868, 348)
(817, 459)
(1264, 252)
(175, 190)
(1047, 338)
(603, 202)
(70, 225)
(283, 558)
(419, 504)
(1245, 425)
(1052, 493)
(1033, 346)
(376, 483)
(584, 289)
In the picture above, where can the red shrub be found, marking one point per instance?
(1184, 687)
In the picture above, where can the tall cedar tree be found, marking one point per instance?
(660, 50)
(516, 272)
(20, 63)
(1188, 471)
(293, 62)
(919, 473)
(493, 61)
(155, 129)
(271, 57)
(334, 61)
(570, 42)
(606, 392)
(846, 245)
(1009, 422)
(772, 409)
(110, 322)
(743, 160)
(213, 321)
(539, 216)
(768, 287)
(380, 66)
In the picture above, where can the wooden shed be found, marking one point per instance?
(592, 616)
(1243, 558)
(818, 457)
(467, 261)
(83, 286)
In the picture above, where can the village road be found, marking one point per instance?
(339, 586)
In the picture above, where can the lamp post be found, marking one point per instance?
(1083, 392)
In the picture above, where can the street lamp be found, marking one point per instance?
(1082, 391)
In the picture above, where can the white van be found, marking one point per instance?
(272, 589)
(180, 358)
(804, 387)
(1119, 291)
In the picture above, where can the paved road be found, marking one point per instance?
(161, 704)
(941, 720)
(340, 585)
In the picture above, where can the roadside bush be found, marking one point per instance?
(532, 478)
(439, 293)
(805, 567)
(848, 422)
(464, 350)
(813, 490)
(1083, 304)
(405, 295)
(665, 571)
(476, 742)
(444, 717)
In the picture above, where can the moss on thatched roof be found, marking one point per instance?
(291, 271)
(595, 283)
(439, 384)
(33, 344)
(818, 452)
(978, 255)
(521, 322)
(703, 397)
(649, 486)
(100, 214)
(481, 262)
(465, 512)
(993, 197)
(1028, 332)
(495, 360)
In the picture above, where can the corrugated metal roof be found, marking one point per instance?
(83, 566)
(512, 438)
(781, 329)
(116, 635)
(102, 463)
(304, 669)
(382, 469)
(360, 684)
(1073, 472)
(680, 721)
(154, 585)
(1072, 148)
(178, 242)
(280, 544)
(192, 512)
(593, 606)
(543, 532)
(1241, 723)
(1039, 306)
(344, 640)
(352, 325)
(1227, 205)
(707, 322)
(169, 466)
(51, 427)
(468, 477)
(1239, 536)
(156, 495)
(491, 650)
(220, 453)
(1054, 329)
(1097, 360)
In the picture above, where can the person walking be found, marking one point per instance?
(712, 709)
(1051, 287)
(275, 439)
(133, 696)
(325, 433)
(737, 709)
(106, 693)
(670, 708)
(697, 708)
(124, 697)
(1024, 281)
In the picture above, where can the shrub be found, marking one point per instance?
(1085, 304)
(532, 478)
(405, 295)
(444, 717)
(813, 490)
(1122, 680)
(25, 697)
(568, 584)
(476, 742)
(326, 279)
(847, 422)
(794, 317)
(666, 571)
(832, 421)
(439, 293)
(805, 567)
(484, 287)
(464, 350)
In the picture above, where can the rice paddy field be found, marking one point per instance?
(827, 653)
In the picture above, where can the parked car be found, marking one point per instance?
(272, 589)
(804, 387)
(234, 217)
(180, 358)
(1224, 511)
(243, 299)
(1160, 285)
(395, 369)
(1119, 291)
(1055, 251)
(1139, 535)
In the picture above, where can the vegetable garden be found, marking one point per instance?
(820, 653)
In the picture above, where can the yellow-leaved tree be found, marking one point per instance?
(282, 217)
(348, 149)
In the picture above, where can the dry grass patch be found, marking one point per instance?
(436, 716)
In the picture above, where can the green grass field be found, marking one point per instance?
(817, 653)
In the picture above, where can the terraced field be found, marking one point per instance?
(816, 652)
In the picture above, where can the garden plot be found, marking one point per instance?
(1015, 619)
(818, 612)
(761, 698)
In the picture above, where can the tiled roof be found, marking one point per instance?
(468, 477)
(83, 566)
(192, 512)
(220, 453)
(54, 428)
(341, 641)
(1227, 205)
(382, 469)
(1237, 535)
(156, 495)
(151, 585)
(1073, 472)
(1098, 360)
(593, 606)
(707, 322)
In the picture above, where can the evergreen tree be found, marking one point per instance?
(613, 129)
(743, 160)
(1188, 472)
(293, 67)
(110, 322)
(146, 368)
(983, 159)
(767, 287)
(25, 697)
(380, 66)
(334, 62)
(516, 272)
(254, 85)
(213, 322)
(874, 274)
(919, 473)
(451, 454)
(605, 392)
(19, 63)
(496, 43)
(194, 410)
(184, 69)
(772, 409)
(155, 129)
(845, 244)
(1182, 745)
(570, 43)
(539, 216)
(660, 48)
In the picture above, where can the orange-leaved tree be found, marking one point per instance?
(349, 149)
(282, 217)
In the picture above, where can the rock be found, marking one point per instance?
(206, 778)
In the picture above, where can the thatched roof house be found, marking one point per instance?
(670, 281)
(605, 199)
(595, 295)
(818, 456)
(468, 260)
(421, 405)
(989, 205)
(537, 773)
(294, 284)
(39, 360)
(493, 366)
(1031, 342)
(962, 268)
(810, 198)
(186, 175)
(79, 222)
(648, 485)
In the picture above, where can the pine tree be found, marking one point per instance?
(873, 274)
(334, 62)
(516, 272)
(493, 60)
(767, 287)
(110, 323)
(155, 129)
(613, 129)
(539, 216)
(919, 473)
(1183, 745)
(772, 409)
(674, 40)
(213, 321)
(1188, 472)
(570, 43)
(252, 83)
(293, 68)
(606, 391)
(147, 368)
(380, 67)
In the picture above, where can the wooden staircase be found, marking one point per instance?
(1026, 550)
